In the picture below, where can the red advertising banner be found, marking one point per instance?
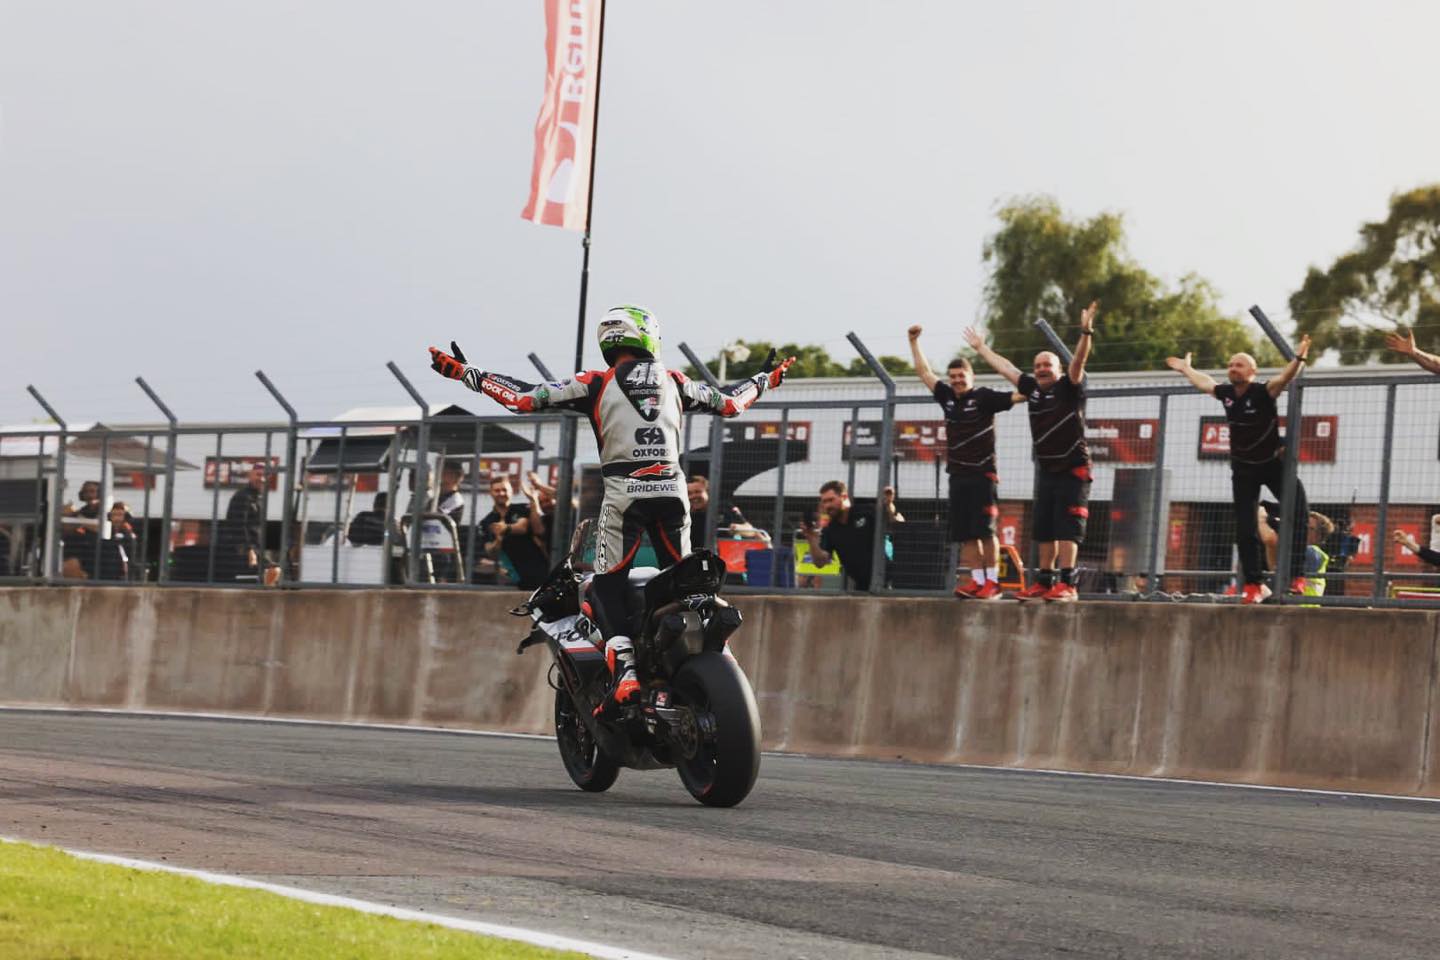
(512, 467)
(766, 430)
(1113, 440)
(133, 480)
(1122, 440)
(234, 472)
(564, 133)
(1317, 438)
(921, 441)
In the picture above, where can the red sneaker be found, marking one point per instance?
(1061, 593)
(1035, 591)
(968, 591)
(991, 591)
(1254, 593)
(1297, 586)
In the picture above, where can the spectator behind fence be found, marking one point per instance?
(507, 532)
(367, 529)
(77, 539)
(850, 533)
(87, 502)
(1317, 561)
(970, 462)
(242, 534)
(451, 501)
(1257, 459)
(120, 556)
(1056, 403)
(729, 519)
(542, 509)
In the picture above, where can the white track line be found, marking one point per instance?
(1127, 777)
(534, 937)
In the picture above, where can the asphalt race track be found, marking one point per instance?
(827, 859)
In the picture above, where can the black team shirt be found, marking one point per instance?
(854, 541)
(970, 426)
(1254, 423)
(1057, 423)
(530, 561)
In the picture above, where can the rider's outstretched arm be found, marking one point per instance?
(512, 394)
(733, 400)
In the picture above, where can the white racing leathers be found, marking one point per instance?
(635, 409)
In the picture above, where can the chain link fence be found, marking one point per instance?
(300, 503)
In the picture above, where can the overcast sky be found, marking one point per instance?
(189, 191)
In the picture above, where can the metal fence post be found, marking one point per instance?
(1379, 548)
(1157, 522)
(50, 566)
(775, 579)
(716, 472)
(421, 494)
(1283, 560)
(293, 483)
(1054, 340)
(172, 437)
(564, 483)
(565, 497)
(884, 466)
(540, 365)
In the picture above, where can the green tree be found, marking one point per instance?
(811, 360)
(1391, 278)
(895, 366)
(1045, 266)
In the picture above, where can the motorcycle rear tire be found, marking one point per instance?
(589, 766)
(722, 772)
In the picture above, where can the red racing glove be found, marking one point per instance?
(776, 375)
(445, 364)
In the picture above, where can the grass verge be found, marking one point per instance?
(53, 905)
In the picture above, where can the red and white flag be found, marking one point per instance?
(564, 134)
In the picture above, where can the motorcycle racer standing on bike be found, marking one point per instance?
(634, 407)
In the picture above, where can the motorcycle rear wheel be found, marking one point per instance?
(724, 768)
(588, 765)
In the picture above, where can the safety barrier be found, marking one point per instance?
(1340, 699)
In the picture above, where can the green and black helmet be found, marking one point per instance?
(630, 328)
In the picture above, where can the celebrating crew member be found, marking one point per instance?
(850, 533)
(1257, 458)
(1404, 344)
(970, 462)
(634, 407)
(1056, 402)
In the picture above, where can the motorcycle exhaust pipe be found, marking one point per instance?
(719, 625)
(670, 629)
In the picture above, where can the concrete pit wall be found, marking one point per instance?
(1339, 699)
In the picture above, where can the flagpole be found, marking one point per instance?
(590, 197)
(560, 536)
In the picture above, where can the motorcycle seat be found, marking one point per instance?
(640, 576)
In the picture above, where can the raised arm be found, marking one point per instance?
(514, 395)
(818, 554)
(922, 366)
(1203, 381)
(1277, 386)
(735, 399)
(1404, 344)
(1087, 340)
(997, 363)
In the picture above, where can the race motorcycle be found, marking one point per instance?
(696, 711)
